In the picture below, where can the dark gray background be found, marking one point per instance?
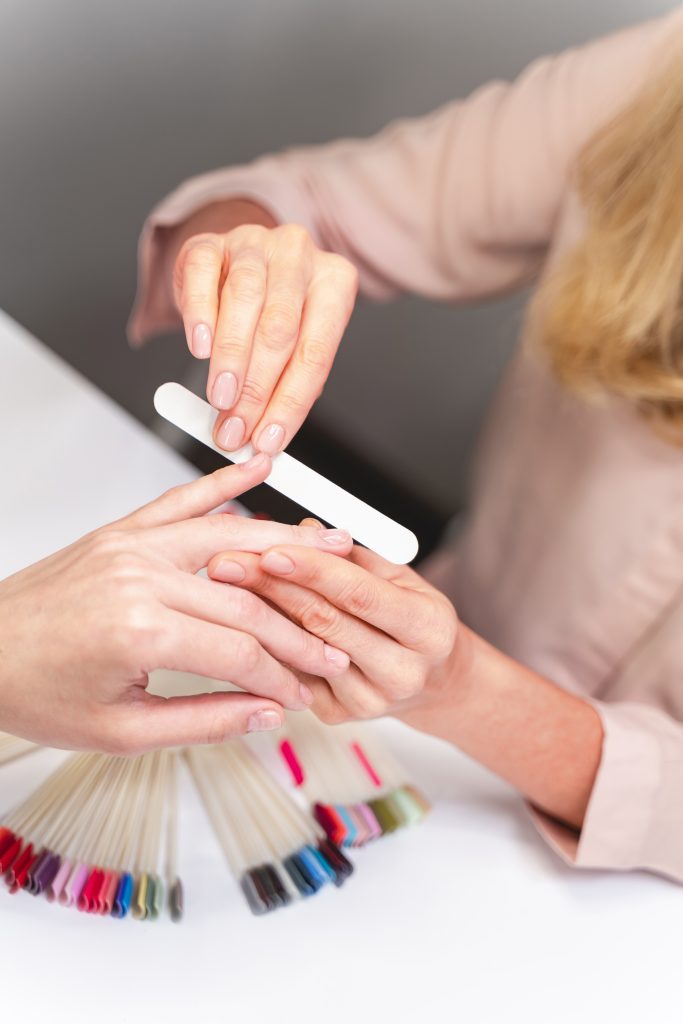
(106, 107)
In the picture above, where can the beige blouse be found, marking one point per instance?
(571, 559)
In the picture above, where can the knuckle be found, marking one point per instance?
(253, 391)
(410, 682)
(371, 705)
(202, 254)
(246, 283)
(316, 355)
(278, 325)
(332, 714)
(296, 236)
(442, 635)
(247, 652)
(294, 401)
(319, 618)
(220, 729)
(360, 597)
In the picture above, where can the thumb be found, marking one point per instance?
(207, 718)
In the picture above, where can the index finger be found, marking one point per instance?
(402, 610)
(200, 496)
(190, 545)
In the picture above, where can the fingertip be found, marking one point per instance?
(200, 341)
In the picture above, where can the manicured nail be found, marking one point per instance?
(281, 565)
(264, 721)
(201, 341)
(228, 572)
(336, 657)
(258, 461)
(306, 694)
(230, 434)
(271, 438)
(224, 391)
(336, 537)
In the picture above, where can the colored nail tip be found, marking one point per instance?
(59, 881)
(298, 877)
(324, 865)
(10, 855)
(176, 901)
(150, 899)
(292, 761)
(138, 908)
(256, 904)
(365, 762)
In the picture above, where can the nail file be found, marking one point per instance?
(296, 481)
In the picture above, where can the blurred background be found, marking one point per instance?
(105, 107)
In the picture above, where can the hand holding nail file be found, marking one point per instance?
(296, 481)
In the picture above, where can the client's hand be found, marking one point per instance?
(270, 309)
(400, 633)
(81, 630)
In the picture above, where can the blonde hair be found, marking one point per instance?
(611, 316)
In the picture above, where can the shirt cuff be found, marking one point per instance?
(619, 821)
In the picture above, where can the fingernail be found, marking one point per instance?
(264, 721)
(306, 694)
(228, 572)
(201, 341)
(310, 521)
(336, 536)
(230, 434)
(277, 563)
(259, 461)
(270, 439)
(224, 391)
(335, 656)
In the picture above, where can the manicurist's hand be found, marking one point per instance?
(81, 631)
(399, 632)
(269, 309)
(410, 657)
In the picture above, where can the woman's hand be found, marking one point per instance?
(270, 309)
(399, 632)
(81, 631)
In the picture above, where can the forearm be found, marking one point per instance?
(544, 741)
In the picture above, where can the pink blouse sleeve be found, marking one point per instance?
(457, 205)
(635, 814)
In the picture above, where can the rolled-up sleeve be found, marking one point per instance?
(635, 814)
(457, 205)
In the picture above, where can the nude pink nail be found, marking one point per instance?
(336, 657)
(230, 434)
(228, 572)
(281, 565)
(336, 537)
(224, 391)
(271, 438)
(306, 694)
(264, 721)
(201, 341)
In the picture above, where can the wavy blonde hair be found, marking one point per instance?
(611, 316)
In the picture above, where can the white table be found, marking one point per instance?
(466, 918)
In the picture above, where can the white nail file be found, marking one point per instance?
(296, 481)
